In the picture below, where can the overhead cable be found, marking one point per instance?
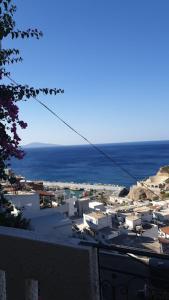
(87, 140)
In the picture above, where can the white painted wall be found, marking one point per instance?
(28, 203)
(132, 223)
(105, 221)
(96, 206)
(146, 216)
(102, 237)
(161, 215)
(71, 206)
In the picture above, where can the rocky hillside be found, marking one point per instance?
(141, 192)
(164, 171)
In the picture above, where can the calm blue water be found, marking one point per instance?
(84, 164)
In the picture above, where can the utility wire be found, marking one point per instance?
(87, 140)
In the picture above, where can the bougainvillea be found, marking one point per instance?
(12, 93)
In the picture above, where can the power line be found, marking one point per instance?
(87, 140)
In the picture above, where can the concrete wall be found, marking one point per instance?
(161, 217)
(146, 217)
(96, 206)
(105, 221)
(102, 237)
(82, 207)
(71, 206)
(62, 271)
(28, 203)
(88, 219)
(132, 223)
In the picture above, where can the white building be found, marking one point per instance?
(144, 213)
(132, 221)
(96, 206)
(162, 215)
(82, 205)
(106, 234)
(111, 211)
(119, 200)
(97, 220)
(164, 204)
(27, 202)
(49, 221)
(72, 210)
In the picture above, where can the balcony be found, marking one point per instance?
(34, 268)
(129, 273)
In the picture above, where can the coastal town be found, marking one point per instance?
(84, 150)
(105, 214)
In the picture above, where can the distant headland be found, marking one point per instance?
(39, 145)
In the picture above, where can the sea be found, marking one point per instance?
(84, 164)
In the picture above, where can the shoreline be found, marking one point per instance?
(83, 186)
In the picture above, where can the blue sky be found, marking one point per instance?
(112, 59)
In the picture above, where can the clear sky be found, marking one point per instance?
(112, 59)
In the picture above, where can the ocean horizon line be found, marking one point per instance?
(79, 163)
(50, 145)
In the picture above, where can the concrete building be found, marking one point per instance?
(27, 202)
(48, 221)
(46, 198)
(72, 210)
(82, 205)
(111, 211)
(132, 221)
(144, 213)
(97, 220)
(96, 206)
(162, 203)
(161, 215)
(118, 200)
(106, 234)
(34, 185)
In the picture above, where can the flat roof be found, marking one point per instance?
(108, 230)
(84, 199)
(132, 218)
(45, 193)
(12, 193)
(142, 209)
(94, 203)
(164, 212)
(96, 215)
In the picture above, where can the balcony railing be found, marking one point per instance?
(128, 273)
